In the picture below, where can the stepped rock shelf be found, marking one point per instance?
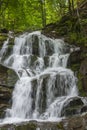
(45, 89)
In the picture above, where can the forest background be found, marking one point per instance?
(34, 14)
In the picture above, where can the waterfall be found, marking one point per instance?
(45, 82)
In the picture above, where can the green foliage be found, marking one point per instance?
(73, 37)
(3, 38)
(30, 14)
(60, 126)
(78, 38)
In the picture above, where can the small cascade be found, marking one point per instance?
(45, 83)
(4, 49)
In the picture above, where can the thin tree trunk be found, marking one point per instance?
(73, 6)
(43, 9)
(78, 11)
(69, 6)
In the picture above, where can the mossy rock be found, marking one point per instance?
(30, 126)
(8, 77)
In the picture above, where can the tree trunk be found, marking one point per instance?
(69, 7)
(72, 5)
(43, 9)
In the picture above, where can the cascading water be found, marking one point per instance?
(44, 81)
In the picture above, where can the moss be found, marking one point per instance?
(77, 39)
(30, 126)
(63, 30)
(84, 22)
(75, 67)
(60, 126)
(2, 39)
(73, 37)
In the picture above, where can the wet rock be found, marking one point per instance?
(73, 106)
(31, 60)
(5, 99)
(5, 94)
(12, 78)
(35, 45)
(74, 58)
(43, 94)
(8, 77)
(49, 47)
(84, 109)
(33, 93)
(3, 75)
(66, 49)
(3, 107)
(75, 123)
(46, 61)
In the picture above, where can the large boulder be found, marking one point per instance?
(73, 106)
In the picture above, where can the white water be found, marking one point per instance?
(4, 48)
(44, 81)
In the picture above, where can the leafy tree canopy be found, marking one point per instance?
(33, 14)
